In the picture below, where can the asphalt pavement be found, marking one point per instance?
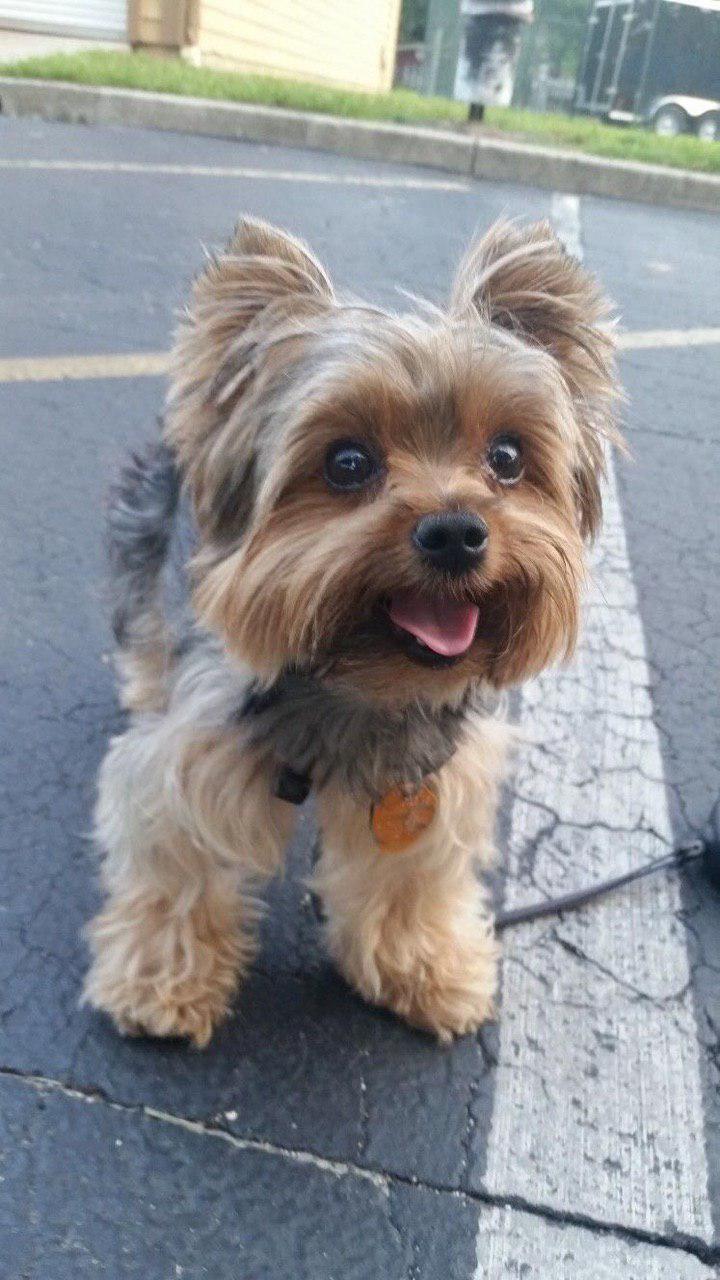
(318, 1139)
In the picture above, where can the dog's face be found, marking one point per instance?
(398, 503)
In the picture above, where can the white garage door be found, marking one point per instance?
(106, 18)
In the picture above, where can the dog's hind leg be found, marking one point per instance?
(185, 829)
(410, 930)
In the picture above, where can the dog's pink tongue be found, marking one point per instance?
(445, 626)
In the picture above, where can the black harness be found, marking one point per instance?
(289, 785)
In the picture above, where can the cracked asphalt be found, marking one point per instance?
(318, 1139)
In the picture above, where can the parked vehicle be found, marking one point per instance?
(653, 62)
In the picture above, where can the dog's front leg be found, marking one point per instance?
(184, 826)
(410, 930)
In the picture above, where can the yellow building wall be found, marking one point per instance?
(145, 21)
(159, 24)
(350, 43)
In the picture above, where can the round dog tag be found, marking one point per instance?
(398, 819)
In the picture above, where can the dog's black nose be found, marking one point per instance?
(453, 541)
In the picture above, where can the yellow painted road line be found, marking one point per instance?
(232, 171)
(653, 339)
(152, 364)
(134, 364)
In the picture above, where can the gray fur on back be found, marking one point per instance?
(140, 519)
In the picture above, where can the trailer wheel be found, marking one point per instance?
(669, 122)
(708, 126)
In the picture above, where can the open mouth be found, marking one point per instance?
(432, 630)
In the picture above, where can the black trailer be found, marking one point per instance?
(653, 62)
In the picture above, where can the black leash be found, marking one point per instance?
(706, 852)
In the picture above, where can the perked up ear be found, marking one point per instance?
(263, 273)
(261, 265)
(522, 279)
(260, 289)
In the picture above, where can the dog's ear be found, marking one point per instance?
(522, 279)
(263, 276)
(280, 264)
(263, 287)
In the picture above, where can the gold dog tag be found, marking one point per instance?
(398, 819)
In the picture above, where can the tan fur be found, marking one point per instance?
(269, 369)
(412, 930)
(188, 826)
(143, 671)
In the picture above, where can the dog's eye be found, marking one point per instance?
(349, 465)
(505, 458)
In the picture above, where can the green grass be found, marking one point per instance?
(170, 75)
(599, 139)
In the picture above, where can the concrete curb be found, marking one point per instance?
(483, 158)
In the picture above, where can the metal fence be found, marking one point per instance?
(548, 66)
(547, 69)
(410, 68)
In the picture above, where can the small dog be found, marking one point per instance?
(391, 514)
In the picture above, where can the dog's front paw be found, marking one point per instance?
(451, 996)
(187, 1010)
(188, 1019)
(446, 988)
(152, 985)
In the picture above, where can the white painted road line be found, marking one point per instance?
(520, 1244)
(598, 1108)
(565, 216)
(236, 171)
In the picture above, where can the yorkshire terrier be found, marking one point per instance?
(391, 513)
